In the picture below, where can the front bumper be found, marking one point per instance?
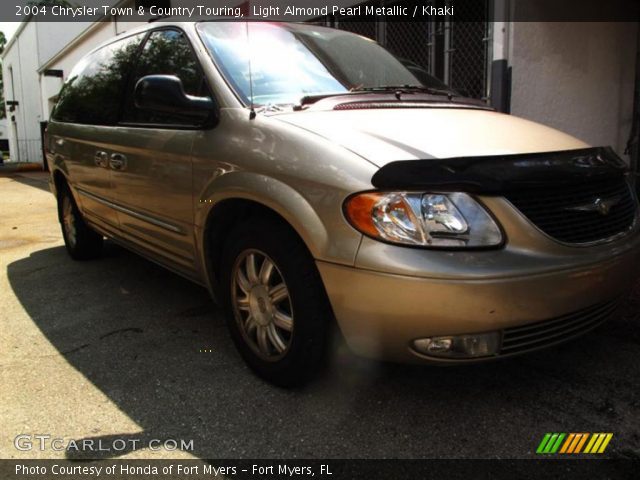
(453, 293)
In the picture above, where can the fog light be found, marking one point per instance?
(459, 346)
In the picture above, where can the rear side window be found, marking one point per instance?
(166, 52)
(92, 94)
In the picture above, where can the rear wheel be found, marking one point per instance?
(278, 312)
(81, 241)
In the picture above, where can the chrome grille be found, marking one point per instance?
(541, 334)
(570, 213)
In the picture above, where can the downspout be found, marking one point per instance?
(500, 86)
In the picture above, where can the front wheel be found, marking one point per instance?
(81, 241)
(277, 308)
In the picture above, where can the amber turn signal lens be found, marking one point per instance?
(359, 209)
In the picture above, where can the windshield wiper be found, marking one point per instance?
(400, 89)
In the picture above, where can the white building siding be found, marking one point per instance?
(577, 77)
(24, 87)
(53, 36)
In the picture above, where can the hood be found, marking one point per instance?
(386, 135)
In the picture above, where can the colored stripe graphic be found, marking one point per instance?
(550, 443)
(581, 443)
(543, 443)
(598, 443)
(568, 442)
(592, 440)
(605, 443)
(556, 446)
(573, 443)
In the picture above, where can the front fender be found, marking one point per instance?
(288, 203)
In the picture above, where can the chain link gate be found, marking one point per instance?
(455, 52)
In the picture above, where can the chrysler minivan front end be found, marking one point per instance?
(456, 304)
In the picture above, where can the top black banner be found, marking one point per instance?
(325, 11)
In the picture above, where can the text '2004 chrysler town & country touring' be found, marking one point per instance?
(304, 174)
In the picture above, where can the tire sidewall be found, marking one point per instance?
(88, 244)
(66, 196)
(309, 310)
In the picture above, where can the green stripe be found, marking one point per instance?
(544, 441)
(550, 443)
(555, 448)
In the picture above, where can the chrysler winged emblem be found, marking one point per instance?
(601, 205)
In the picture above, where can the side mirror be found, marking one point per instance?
(165, 93)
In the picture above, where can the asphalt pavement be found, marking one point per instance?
(119, 348)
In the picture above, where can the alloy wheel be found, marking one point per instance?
(262, 305)
(68, 221)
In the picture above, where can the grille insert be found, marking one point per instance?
(548, 332)
(573, 214)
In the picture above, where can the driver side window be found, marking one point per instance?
(166, 52)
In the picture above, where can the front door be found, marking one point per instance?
(151, 166)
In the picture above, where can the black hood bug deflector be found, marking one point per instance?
(497, 174)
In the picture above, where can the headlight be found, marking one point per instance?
(423, 219)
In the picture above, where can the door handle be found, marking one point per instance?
(118, 161)
(101, 159)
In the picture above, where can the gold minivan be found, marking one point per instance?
(305, 175)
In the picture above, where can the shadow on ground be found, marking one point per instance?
(36, 180)
(137, 333)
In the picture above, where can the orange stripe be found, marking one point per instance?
(567, 443)
(582, 442)
(577, 438)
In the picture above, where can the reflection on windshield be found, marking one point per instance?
(290, 61)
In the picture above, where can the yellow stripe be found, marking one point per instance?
(582, 440)
(567, 443)
(605, 442)
(596, 445)
(577, 438)
(592, 441)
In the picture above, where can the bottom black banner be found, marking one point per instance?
(321, 469)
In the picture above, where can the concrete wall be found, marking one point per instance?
(577, 77)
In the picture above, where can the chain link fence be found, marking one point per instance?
(468, 51)
(455, 52)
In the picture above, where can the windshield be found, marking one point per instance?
(290, 61)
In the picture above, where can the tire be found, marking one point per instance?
(81, 241)
(259, 311)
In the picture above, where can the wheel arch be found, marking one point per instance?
(228, 202)
(60, 181)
